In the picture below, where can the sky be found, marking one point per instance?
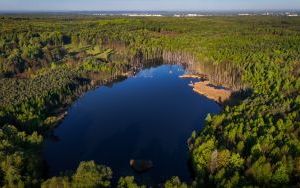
(204, 5)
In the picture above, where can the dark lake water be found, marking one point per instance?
(149, 116)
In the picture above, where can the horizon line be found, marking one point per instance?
(151, 10)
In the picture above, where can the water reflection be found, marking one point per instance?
(148, 116)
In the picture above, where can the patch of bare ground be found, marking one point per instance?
(198, 76)
(204, 87)
(217, 94)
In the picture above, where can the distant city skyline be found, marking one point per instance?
(143, 5)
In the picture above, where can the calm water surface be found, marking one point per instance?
(149, 116)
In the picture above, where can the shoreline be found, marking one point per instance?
(204, 87)
(197, 76)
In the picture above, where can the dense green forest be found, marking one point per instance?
(46, 62)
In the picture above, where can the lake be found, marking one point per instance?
(148, 116)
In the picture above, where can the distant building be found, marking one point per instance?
(143, 15)
(292, 15)
(244, 14)
(266, 14)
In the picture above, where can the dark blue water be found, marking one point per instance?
(149, 116)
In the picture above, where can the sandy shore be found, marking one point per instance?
(210, 91)
(197, 76)
(217, 94)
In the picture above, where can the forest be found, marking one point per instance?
(46, 62)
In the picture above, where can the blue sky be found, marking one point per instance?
(42, 5)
